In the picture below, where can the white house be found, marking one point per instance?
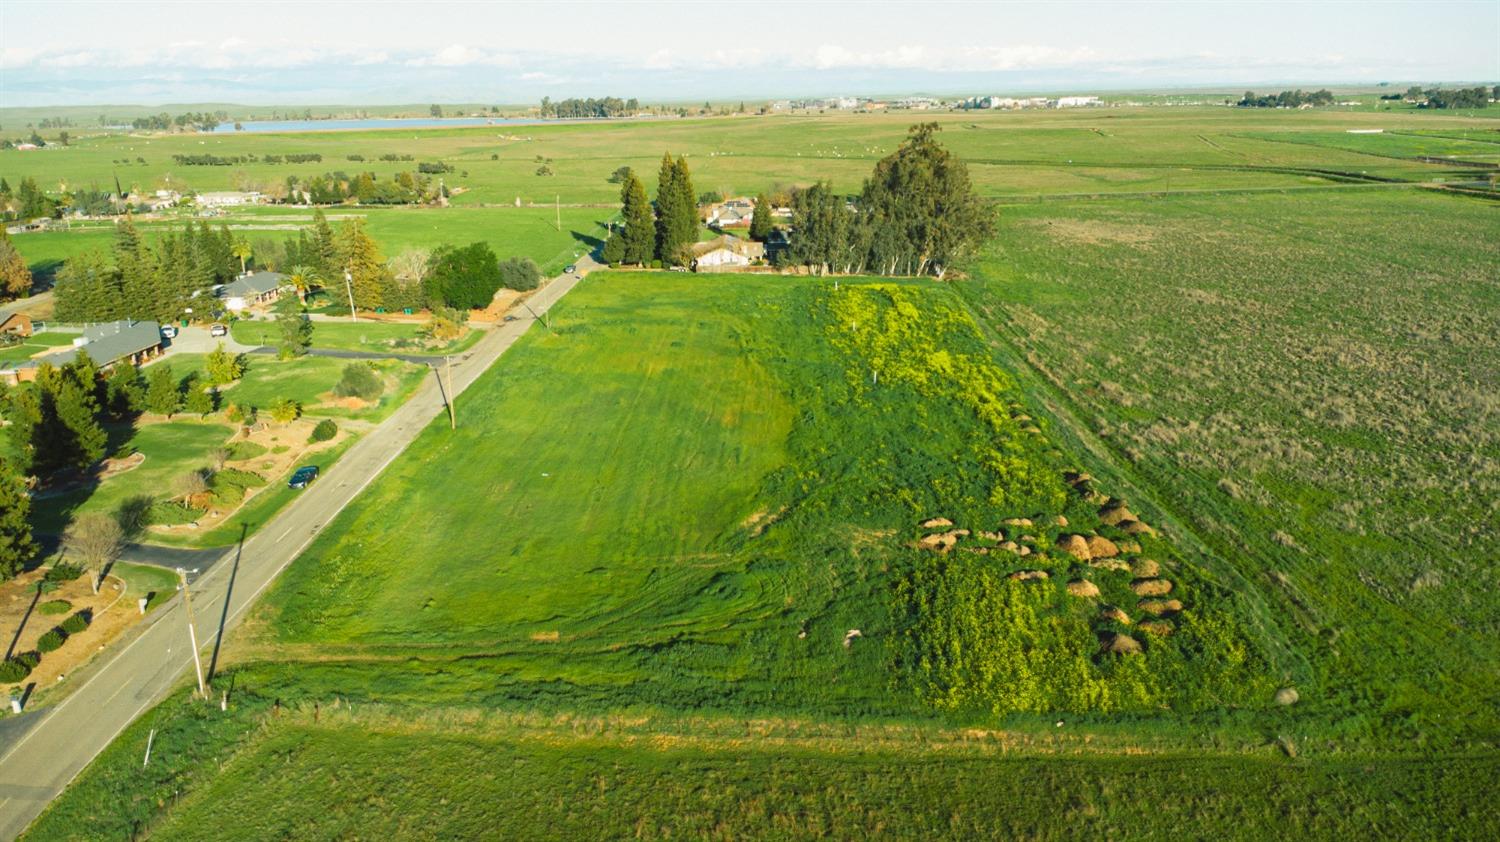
(731, 213)
(725, 251)
(247, 291)
(229, 198)
(1077, 101)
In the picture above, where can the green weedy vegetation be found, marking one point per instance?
(785, 485)
(621, 601)
(1314, 404)
(268, 771)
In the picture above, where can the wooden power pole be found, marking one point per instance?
(557, 203)
(452, 410)
(187, 601)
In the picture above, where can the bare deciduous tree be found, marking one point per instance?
(96, 540)
(190, 484)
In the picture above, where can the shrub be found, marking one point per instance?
(359, 381)
(55, 606)
(13, 670)
(285, 411)
(29, 660)
(462, 277)
(76, 623)
(520, 274)
(230, 485)
(51, 640)
(63, 572)
(164, 513)
(325, 430)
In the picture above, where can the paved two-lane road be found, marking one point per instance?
(46, 756)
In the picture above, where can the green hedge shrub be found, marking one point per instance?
(359, 380)
(51, 640)
(63, 572)
(13, 670)
(76, 623)
(55, 606)
(325, 430)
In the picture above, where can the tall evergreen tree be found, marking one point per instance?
(125, 391)
(69, 434)
(921, 194)
(295, 328)
(638, 235)
(22, 410)
(822, 226)
(358, 254)
(686, 206)
(15, 275)
(325, 247)
(760, 220)
(87, 289)
(668, 198)
(16, 546)
(162, 393)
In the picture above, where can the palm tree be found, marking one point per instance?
(242, 250)
(302, 279)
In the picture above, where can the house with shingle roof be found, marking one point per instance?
(251, 290)
(106, 344)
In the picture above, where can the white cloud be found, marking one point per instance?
(461, 55)
(14, 57)
(969, 59)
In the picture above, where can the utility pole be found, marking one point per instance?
(452, 410)
(557, 203)
(187, 601)
(538, 316)
(349, 288)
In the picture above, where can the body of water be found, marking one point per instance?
(250, 126)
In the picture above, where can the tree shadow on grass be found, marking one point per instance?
(589, 240)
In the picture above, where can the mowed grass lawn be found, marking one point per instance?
(37, 343)
(171, 449)
(590, 476)
(307, 380)
(363, 335)
(183, 444)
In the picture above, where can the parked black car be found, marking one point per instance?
(303, 476)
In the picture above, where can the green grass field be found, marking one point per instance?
(37, 343)
(1233, 357)
(666, 577)
(370, 336)
(1020, 150)
(184, 444)
(309, 381)
(171, 449)
(509, 231)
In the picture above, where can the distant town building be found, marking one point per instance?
(1078, 101)
(919, 103)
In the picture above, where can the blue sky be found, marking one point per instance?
(267, 51)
